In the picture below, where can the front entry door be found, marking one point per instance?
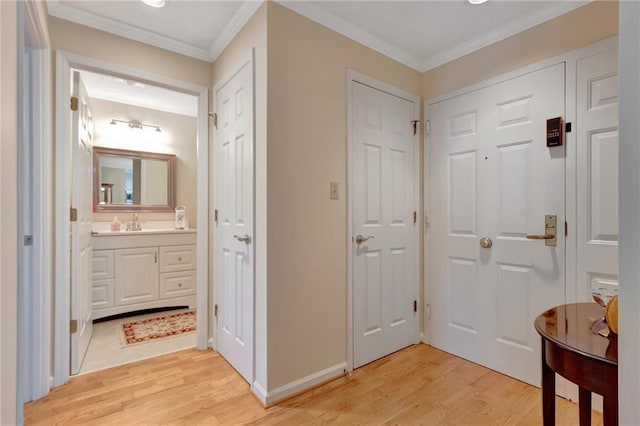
(234, 262)
(383, 223)
(492, 176)
(81, 248)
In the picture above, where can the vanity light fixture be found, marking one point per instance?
(134, 124)
(154, 3)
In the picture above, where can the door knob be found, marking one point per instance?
(243, 238)
(550, 231)
(486, 242)
(360, 239)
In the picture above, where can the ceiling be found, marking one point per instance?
(420, 34)
(114, 89)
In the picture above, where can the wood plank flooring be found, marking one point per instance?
(418, 385)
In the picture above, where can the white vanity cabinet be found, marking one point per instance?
(132, 272)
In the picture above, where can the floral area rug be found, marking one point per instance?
(161, 327)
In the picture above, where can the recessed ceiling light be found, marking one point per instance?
(154, 3)
(470, 1)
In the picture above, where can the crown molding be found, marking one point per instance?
(36, 13)
(501, 33)
(112, 26)
(237, 22)
(341, 26)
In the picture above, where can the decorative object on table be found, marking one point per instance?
(602, 296)
(181, 217)
(153, 329)
(611, 314)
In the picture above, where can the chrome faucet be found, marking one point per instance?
(134, 225)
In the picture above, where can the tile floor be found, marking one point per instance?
(106, 351)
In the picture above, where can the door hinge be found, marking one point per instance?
(566, 228)
(415, 126)
(415, 217)
(427, 127)
(428, 309)
(73, 214)
(215, 120)
(73, 326)
(74, 103)
(415, 306)
(215, 216)
(215, 310)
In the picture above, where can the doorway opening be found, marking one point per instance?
(147, 263)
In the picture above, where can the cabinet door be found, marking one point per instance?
(102, 264)
(102, 294)
(136, 275)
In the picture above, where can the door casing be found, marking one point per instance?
(354, 76)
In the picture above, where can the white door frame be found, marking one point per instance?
(243, 61)
(34, 122)
(65, 61)
(354, 76)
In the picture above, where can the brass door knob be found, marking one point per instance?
(486, 242)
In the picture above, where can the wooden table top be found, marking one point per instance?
(569, 326)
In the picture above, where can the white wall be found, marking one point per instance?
(629, 177)
(8, 212)
(178, 136)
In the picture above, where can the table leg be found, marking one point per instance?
(584, 401)
(548, 391)
(610, 397)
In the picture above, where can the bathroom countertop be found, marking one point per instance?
(149, 231)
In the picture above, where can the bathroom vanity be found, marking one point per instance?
(135, 270)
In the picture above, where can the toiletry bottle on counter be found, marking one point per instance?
(115, 224)
(181, 217)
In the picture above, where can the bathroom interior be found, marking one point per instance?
(144, 218)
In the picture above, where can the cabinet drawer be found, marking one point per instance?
(102, 264)
(102, 294)
(174, 284)
(177, 258)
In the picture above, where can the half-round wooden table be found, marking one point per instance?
(571, 349)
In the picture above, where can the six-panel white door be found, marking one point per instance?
(383, 209)
(597, 180)
(234, 264)
(82, 201)
(492, 175)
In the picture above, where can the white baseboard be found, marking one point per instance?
(298, 386)
(210, 342)
(260, 392)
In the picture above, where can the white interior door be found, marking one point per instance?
(234, 188)
(82, 201)
(383, 214)
(597, 180)
(492, 175)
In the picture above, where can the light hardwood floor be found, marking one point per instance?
(418, 385)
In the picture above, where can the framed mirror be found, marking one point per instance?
(133, 181)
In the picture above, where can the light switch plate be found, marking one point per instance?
(334, 191)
